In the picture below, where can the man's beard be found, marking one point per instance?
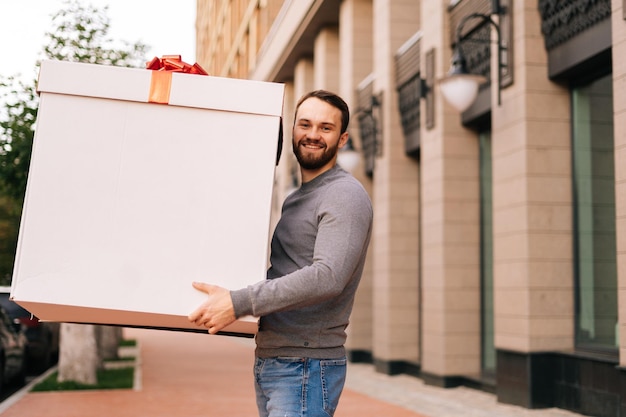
(309, 160)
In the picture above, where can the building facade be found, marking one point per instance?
(498, 258)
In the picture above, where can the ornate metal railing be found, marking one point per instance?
(563, 20)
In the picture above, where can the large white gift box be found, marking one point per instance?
(130, 201)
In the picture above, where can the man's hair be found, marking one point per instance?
(332, 99)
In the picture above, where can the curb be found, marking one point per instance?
(18, 395)
(10, 401)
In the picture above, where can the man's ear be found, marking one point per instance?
(343, 139)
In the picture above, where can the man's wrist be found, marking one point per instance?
(242, 305)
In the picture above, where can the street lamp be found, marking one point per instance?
(347, 157)
(459, 87)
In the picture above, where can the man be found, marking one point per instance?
(318, 252)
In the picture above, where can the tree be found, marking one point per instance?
(17, 130)
(79, 33)
(9, 226)
(16, 138)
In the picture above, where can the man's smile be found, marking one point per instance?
(312, 145)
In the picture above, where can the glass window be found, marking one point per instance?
(594, 215)
(486, 255)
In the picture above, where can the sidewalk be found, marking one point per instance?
(196, 375)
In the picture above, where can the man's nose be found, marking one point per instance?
(313, 133)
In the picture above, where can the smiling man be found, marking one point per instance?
(318, 252)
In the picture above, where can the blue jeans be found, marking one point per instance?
(298, 387)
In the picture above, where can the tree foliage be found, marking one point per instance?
(17, 129)
(79, 33)
(9, 226)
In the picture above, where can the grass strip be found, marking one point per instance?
(128, 342)
(107, 379)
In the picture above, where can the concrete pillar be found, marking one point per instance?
(532, 215)
(355, 63)
(395, 248)
(303, 79)
(618, 25)
(326, 55)
(450, 226)
(532, 201)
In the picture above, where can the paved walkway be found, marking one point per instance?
(196, 375)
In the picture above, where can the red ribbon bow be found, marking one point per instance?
(174, 63)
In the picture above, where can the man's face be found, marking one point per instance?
(316, 134)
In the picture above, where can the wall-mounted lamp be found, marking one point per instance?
(459, 87)
(369, 118)
(348, 157)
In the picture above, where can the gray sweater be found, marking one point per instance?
(318, 253)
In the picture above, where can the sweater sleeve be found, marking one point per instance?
(344, 228)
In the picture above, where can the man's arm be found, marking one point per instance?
(340, 246)
(342, 239)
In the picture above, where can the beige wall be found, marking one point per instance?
(285, 26)
(619, 123)
(229, 34)
(427, 226)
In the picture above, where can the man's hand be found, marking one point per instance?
(217, 311)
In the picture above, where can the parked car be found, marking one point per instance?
(42, 346)
(12, 352)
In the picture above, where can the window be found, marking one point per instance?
(593, 170)
(486, 255)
